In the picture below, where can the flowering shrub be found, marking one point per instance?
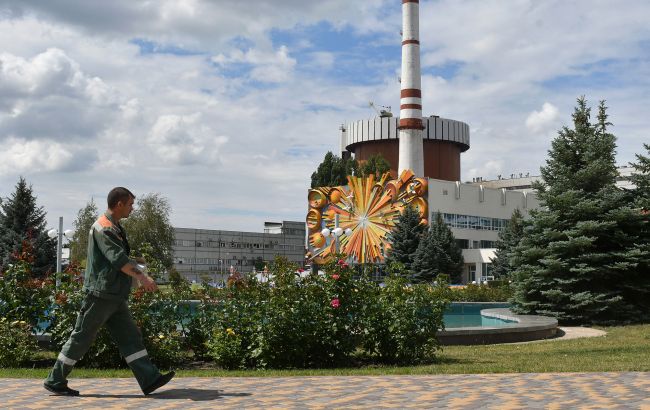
(16, 342)
(309, 322)
(402, 322)
(227, 349)
(22, 295)
(165, 349)
(322, 320)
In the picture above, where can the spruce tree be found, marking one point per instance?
(437, 253)
(508, 239)
(22, 221)
(640, 178)
(581, 258)
(405, 238)
(86, 217)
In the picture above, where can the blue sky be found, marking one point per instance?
(226, 108)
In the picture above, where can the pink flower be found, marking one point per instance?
(335, 277)
(335, 303)
(341, 262)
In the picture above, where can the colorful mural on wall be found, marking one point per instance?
(367, 211)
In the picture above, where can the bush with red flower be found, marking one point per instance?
(23, 295)
(326, 320)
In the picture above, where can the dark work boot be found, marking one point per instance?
(61, 391)
(160, 382)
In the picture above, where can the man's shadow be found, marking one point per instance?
(174, 394)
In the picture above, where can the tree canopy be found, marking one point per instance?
(583, 258)
(86, 217)
(508, 240)
(641, 179)
(405, 238)
(23, 224)
(438, 253)
(150, 224)
(376, 165)
(333, 171)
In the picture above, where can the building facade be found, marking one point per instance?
(204, 254)
(476, 214)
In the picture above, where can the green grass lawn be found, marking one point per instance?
(625, 348)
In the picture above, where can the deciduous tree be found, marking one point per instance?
(333, 171)
(149, 223)
(86, 217)
(376, 165)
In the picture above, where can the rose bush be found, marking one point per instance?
(322, 320)
(23, 296)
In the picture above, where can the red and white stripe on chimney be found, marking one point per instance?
(410, 114)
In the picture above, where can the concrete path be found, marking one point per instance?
(495, 391)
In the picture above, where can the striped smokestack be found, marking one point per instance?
(410, 114)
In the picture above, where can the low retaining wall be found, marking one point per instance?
(528, 327)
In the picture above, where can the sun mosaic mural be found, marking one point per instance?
(367, 211)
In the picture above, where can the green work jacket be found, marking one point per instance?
(108, 252)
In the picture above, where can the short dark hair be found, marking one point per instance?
(118, 194)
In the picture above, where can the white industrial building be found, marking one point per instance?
(476, 214)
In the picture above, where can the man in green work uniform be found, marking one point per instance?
(107, 285)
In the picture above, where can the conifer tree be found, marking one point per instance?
(405, 238)
(86, 217)
(21, 220)
(581, 258)
(508, 239)
(437, 253)
(640, 178)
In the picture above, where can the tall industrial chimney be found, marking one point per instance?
(410, 114)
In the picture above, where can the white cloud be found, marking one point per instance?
(541, 121)
(48, 96)
(269, 67)
(183, 139)
(20, 156)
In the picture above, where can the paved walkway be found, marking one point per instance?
(495, 391)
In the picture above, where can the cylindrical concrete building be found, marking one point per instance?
(443, 142)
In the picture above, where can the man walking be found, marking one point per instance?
(107, 285)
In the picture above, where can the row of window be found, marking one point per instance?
(215, 261)
(473, 222)
(469, 244)
(236, 245)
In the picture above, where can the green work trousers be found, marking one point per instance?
(96, 312)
